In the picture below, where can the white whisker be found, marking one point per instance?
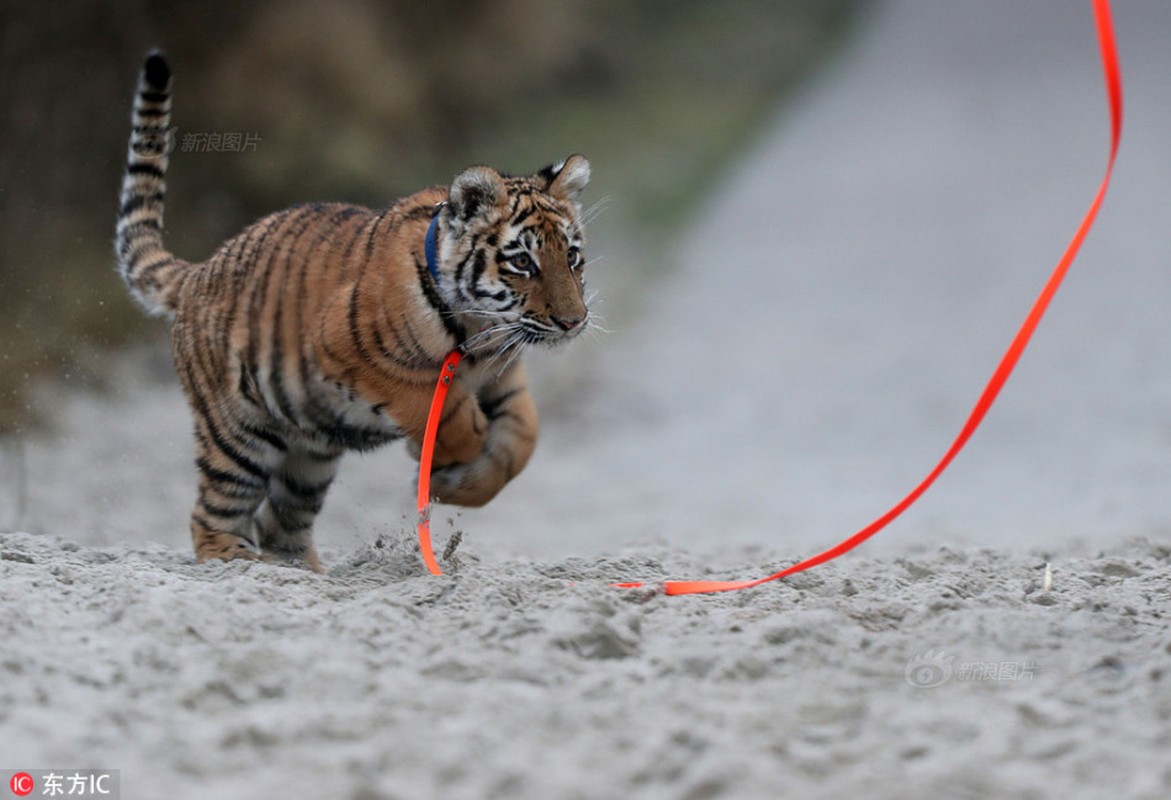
(477, 312)
(517, 350)
(593, 323)
(592, 213)
(513, 343)
(485, 336)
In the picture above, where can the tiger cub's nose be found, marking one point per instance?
(568, 323)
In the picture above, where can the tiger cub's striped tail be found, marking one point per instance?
(150, 271)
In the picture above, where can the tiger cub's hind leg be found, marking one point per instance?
(234, 468)
(296, 492)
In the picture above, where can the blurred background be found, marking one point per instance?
(823, 221)
(355, 100)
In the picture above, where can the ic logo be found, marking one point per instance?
(22, 784)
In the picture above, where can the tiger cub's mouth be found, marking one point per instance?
(499, 337)
(554, 332)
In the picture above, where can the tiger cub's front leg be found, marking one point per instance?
(463, 428)
(511, 417)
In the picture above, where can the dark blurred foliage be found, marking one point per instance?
(352, 100)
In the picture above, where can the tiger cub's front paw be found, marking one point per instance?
(463, 485)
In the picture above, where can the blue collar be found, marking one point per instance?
(429, 248)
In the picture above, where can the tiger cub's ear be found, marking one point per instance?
(474, 191)
(568, 179)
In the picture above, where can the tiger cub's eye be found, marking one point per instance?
(574, 258)
(522, 262)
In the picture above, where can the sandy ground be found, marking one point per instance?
(834, 313)
(948, 673)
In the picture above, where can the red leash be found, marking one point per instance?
(1003, 370)
(446, 376)
(1007, 363)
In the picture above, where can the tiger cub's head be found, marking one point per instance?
(511, 255)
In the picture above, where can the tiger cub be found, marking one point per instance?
(322, 328)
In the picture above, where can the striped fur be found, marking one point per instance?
(319, 329)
